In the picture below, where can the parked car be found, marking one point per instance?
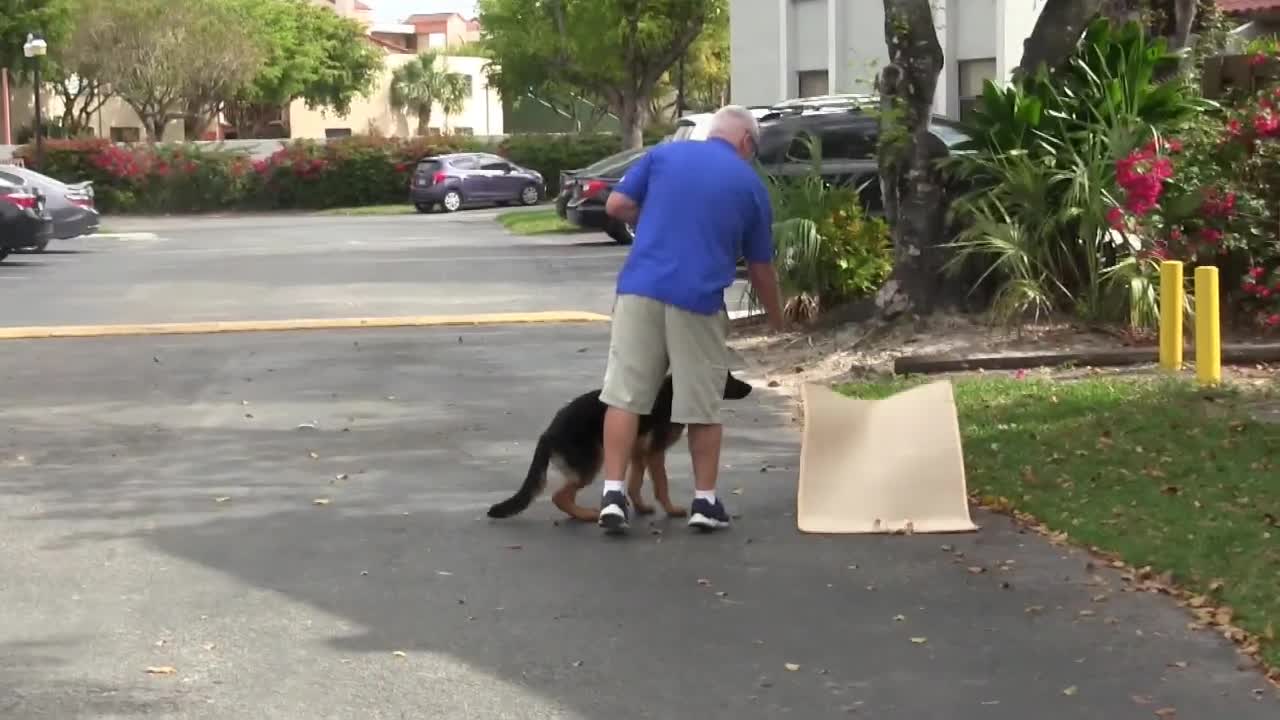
(70, 204)
(695, 126)
(568, 178)
(847, 137)
(588, 192)
(25, 224)
(457, 179)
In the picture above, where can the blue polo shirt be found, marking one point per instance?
(701, 208)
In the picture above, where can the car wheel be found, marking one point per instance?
(530, 195)
(424, 207)
(4, 254)
(452, 201)
(622, 233)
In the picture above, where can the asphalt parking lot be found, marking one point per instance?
(291, 525)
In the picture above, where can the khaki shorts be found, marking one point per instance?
(646, 339)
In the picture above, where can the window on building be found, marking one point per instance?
(337, 132)
(435, 40)
(464, 131)
(126, 134)
(813, 83)
(469, 84)
(973, 76)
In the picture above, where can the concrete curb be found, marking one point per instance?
(215, 327)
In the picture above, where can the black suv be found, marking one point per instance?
(847, 139)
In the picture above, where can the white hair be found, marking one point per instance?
(732, 120)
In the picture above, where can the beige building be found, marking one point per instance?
(481, 115)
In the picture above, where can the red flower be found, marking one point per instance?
(1213, 236)
(1250, 287)
(1273, 321)
(1266, 124)
(1174, 145)
(1115, 218)
(1234, 127)
(1256, 272)
(1257, 59)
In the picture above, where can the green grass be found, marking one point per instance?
(371, 210)
(1154, 470)
(536, 222)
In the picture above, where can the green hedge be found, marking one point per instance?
(305, 174)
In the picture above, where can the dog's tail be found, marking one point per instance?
(534, 482)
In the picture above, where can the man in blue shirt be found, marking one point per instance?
(697, 207)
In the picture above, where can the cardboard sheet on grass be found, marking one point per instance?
(882, 466)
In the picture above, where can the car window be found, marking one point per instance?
(684, 131)
(429, 166)
(800, 147)
(464, 163)
(11, 178)
(496, 165)
(947, 134)
(848, 143)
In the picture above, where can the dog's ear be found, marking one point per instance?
(735, 389)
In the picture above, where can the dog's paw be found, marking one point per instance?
(676, 511)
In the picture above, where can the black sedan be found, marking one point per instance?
(586, 191)
(25, 223)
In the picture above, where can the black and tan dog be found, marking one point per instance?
(574, 443)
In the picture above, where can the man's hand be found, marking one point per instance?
(621, 207)
(764, 279)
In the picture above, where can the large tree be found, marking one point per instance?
(912, 186)
(309, 53)
(50, 19)
(618, 50)
(1061, 23)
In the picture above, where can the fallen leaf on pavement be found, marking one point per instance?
(340, 476)
(307, 426)
(161, 670)
(899, 618)
(791, 667)
(1142, 699)
(320, 501)
(919, 640)
(443, 572)
(704, 582)
(400, 653)
(515, 547)
(1087, 613)
(1181, 664)
(976, 570)
(1034, 609)
(1073, 690)
(737, 491)
(222, 499)
(209, 646)
(313, 455)
(1167, 712)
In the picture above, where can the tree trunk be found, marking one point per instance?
(632, 115)
(1056, 33)
(910, 179)
(424, 121)
(1184, 17)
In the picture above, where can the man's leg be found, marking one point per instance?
(637, 365)
(699, 367)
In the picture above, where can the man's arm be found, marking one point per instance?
(758, 250)
(628, 195)
(621, 207)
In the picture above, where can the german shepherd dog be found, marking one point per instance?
(574, 443)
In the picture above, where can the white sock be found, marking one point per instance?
(708, 495)
(612, 485)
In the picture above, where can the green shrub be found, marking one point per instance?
(826, 250)
(1042, 163)
(305, 174)
(552, 154)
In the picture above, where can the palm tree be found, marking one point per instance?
(418, 85)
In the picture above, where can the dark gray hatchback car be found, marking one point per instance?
(453, 180)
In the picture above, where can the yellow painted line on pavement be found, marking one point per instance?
(234, 326)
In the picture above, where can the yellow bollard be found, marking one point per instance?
(1208, 328)
(1171, 302)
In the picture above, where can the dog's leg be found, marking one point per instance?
(566, 498)
(656, 462)
(635, 481)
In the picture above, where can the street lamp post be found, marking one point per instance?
(35, 48)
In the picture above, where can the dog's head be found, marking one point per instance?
(735, 389)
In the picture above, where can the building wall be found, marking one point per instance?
(773, 41)
(373, 114)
